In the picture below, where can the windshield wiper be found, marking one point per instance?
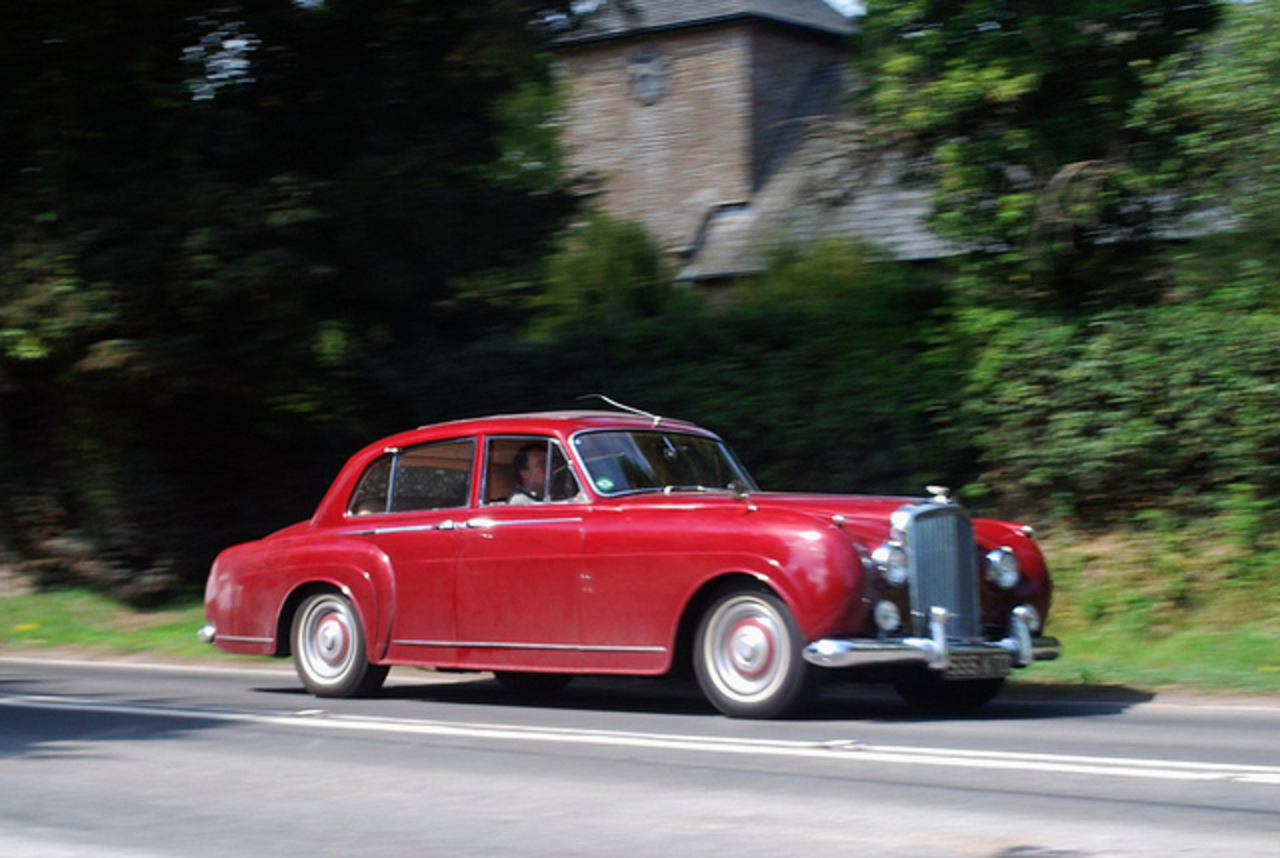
(669, 490)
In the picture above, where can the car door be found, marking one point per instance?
(518, 565)
(414, 502)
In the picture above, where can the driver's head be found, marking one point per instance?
(530, 466)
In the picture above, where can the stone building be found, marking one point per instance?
(718, 124)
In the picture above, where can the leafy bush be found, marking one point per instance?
(824, 373)
(1158, 406)
(604, 273)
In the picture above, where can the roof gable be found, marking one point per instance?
(616, 18)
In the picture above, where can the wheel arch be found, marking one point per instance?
(284, 620)
(365, 604)
(697, 605)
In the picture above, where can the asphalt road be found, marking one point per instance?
(130, 760)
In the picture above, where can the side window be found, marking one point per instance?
(433, 476)
(429, 476)
(528, 469)
(371, 495)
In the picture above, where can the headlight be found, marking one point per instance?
(1003, 569)
(891, 560)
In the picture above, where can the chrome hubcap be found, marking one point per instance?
(331, 639)
(328, 641)
(748, 648)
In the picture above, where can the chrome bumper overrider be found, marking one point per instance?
(953, 657)
(207, 633)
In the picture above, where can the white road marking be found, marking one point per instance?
(263, 667)
(841, 751)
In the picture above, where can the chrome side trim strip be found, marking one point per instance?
(529, 646)
(485, 522)
(482, 522)
(404, 528)
(244, 639)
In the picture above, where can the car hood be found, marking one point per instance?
(868, 514)
(870, 507)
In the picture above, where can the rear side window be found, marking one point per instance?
(429, 476)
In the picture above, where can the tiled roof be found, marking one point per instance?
(627, 17)
(831, 186)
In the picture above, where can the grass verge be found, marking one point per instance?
(1161, 606)
(86, 622)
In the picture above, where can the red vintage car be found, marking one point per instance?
(544, 546)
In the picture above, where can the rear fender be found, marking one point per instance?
(363, 576)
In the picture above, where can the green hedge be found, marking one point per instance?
(1164, 406)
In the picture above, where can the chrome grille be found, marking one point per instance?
(943, 569)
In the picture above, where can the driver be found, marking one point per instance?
(530, 465)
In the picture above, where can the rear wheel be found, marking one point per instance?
(929, 692)
(748, 657)
(329, 649)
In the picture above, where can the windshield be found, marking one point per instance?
(621, 462)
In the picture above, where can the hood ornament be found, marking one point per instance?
(941, 494)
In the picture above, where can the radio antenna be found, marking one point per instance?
(618, 405)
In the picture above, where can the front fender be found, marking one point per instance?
(1036, 587)
(815, 567)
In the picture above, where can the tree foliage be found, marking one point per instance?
(1109, 167)
(825, 374)
(1154, 407)
(1215, 106)
(239, 240)
(1021, 111)
(604, 272)
(227, 223)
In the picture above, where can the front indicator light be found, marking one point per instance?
(1031, 617)
(888, 617)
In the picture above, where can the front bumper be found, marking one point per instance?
(953, 658)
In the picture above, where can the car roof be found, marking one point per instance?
(563, 423)
(558, 423)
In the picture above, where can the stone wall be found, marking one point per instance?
(679, 122)
(665, 163)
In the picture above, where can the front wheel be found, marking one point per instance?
(929, 692)
(329, 649)
(748, 657)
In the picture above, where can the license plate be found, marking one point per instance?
(979, 665)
